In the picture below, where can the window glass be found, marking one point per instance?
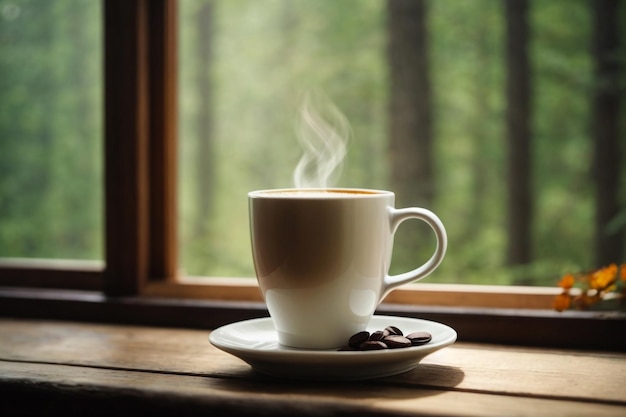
(51, 129)
(246, 66)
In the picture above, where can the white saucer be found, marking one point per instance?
(255, 341)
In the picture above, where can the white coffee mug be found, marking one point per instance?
(322, 259)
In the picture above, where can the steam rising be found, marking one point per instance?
(324, 136)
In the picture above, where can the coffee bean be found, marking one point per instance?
(393, 330)
(419, 338)
(357, 339)
(373, 345)
(377, 335)
(390, 337)
(396, 341)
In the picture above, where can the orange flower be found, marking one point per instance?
(595, 286)
(603, 278)
(567, 281)
(562, 301)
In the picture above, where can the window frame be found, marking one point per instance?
(138, 281)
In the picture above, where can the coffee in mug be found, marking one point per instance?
(322, 259)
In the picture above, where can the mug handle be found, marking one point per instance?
(396, 217)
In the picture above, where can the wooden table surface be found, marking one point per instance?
(50, 367)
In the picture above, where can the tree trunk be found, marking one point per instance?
(410, 118)
(204, 161)
(410, 126)
(608, 243)
(519, 183)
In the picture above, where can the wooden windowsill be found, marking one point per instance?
(446, 295)
(530, 327)
(54, 367)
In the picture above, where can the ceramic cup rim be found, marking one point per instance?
(334, 193)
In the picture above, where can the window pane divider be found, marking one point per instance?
(140, 157)
(51, 273)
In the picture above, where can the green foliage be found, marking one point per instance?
(50, 129)
(562, 84)
(467, 63)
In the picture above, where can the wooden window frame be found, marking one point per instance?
(138, 283)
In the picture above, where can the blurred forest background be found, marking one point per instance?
(51, 134)
(503, 117)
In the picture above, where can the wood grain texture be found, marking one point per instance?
(178, 368)
(104, 391)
